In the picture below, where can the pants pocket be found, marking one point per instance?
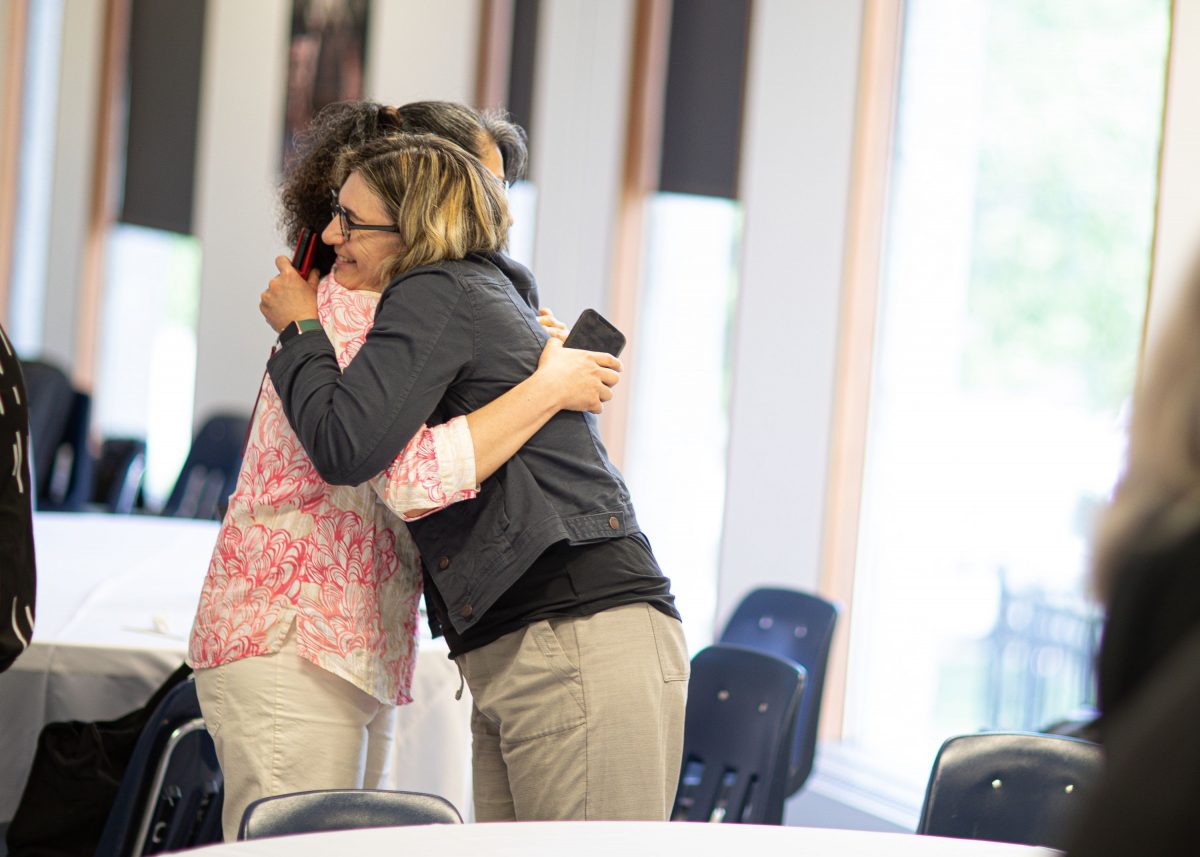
(672, 648)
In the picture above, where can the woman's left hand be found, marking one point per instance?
(553, 326)
(289, 297)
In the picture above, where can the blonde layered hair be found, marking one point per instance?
(445, 203)
(1157, 502)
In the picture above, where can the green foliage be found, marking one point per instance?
(1071, 120)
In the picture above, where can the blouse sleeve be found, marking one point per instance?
(435, 469)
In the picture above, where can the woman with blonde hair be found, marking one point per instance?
(305, 635)
(545, 587)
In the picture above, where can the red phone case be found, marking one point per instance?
(302, 256)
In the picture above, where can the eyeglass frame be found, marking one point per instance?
(348, 226)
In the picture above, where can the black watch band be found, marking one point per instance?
(296, 328)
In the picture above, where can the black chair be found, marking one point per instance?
(741, 713)
(51, 398)
(342, 809)
(69, 486)
(1015, 787)
(797, 626)
(210, 472)
(172, 791)
(117, 474)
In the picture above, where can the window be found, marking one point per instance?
(679, 411)
(1011, 303)
(146, 369)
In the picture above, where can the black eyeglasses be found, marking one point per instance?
(349, 225)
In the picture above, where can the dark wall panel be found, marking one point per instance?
(706, 81)
(165, 47)
(521, 63)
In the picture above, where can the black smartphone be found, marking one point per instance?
(593, 332)
(302, 256)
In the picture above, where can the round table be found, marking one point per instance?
(617, 839)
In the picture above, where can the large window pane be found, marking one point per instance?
(146, 381)
(679, 412)
(1011, 306)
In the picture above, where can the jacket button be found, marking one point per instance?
(613, 523)
(468, 612)
(444, 563)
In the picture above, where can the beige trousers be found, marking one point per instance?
(282, 724)
(579, 718)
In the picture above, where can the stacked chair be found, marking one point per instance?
(752, 710)
(741, 715)
(797, 626)
(210, 472)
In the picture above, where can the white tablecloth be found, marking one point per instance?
(616, 839)
(116, 597)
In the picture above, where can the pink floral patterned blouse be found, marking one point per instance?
(336, 560)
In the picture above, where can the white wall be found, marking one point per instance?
(420, 50)
(74, 168)
(798, 138)
(237, 168)
(577, 148)
(1178, 237)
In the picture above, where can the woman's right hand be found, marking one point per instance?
(579, 380)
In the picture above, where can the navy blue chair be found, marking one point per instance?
(741, 713)
(117, 474)
(342, 809)
(210, 472)
(51, 398)
(1017, 787)
(69, 486)
(172, 791)
(797, 626)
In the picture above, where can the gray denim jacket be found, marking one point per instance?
(449, 338)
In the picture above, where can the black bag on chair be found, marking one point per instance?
(76, 772)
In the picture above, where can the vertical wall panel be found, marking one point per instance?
(164, 103)
(706, 73)
(581, 95)
(241, 123)
(794, 186)
(418, 50)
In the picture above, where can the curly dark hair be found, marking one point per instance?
(304, 195)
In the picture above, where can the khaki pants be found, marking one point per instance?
(579, 718)
(282, 724)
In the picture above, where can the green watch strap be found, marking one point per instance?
(304, 325)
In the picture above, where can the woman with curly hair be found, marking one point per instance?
(304, 638)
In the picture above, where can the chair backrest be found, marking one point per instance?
(51, 398)
(69, 485)
(210, 472)
(172, 791)
(342, 809)
(118, 472)
(1009, 787)
(741, 712)
(797, 626)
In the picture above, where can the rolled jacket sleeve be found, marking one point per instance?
(354, 423)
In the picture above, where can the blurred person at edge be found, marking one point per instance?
(305, 636)
(1146, 571)
(18, 574)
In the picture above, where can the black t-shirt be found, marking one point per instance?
(571, 581)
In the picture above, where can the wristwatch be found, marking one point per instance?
(296, 328)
